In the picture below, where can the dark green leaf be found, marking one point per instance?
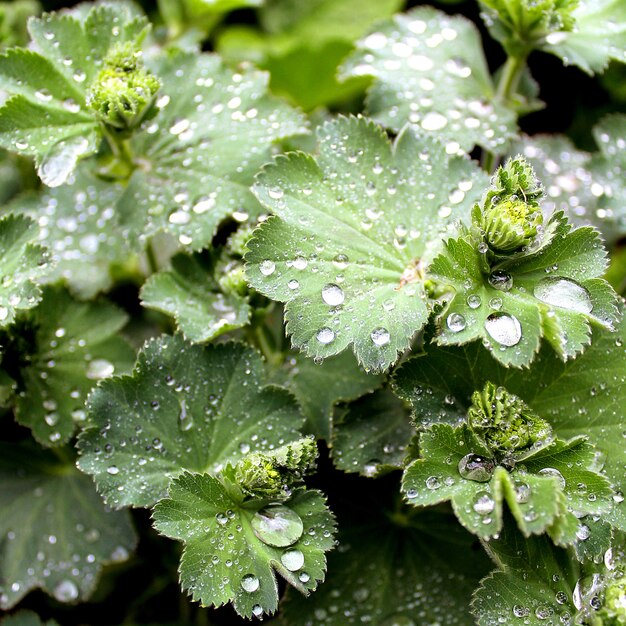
(185, 407)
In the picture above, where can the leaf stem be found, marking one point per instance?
(120, 148)
(151, 257)
(507, 86)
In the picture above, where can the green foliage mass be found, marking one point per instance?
(302, 320)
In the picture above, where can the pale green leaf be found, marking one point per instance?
(598, 36)
(46, 115)
(190, 292)
(56, 354)
(554, 293)
(77, 223)
(185, 407)
(584, 396)
(393, 567)
(429, 69)
(200, 512)
(354, 229)
(373, 435)
(214, 130)
(23, 263)
(57, 533)
(318, 387)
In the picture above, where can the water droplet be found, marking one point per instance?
(66, 591)
(502, 281)
(380, 336)
(99, 368)
(473, 301)
(504, 328)
(267, 267)
(325, 335)
(185, 419)
(544, 612)
(564, 293)
(521, 611)
(113, 470)
(257, 610)
(456, 322)
(304, 577)
(333, 294)
(293, 284)
(276, 525)
(341, 261)
(475, 467)
(484, 504)
(583, 532)
(433, 482)
(551, 471)
(250, 583)
(434, 121)
(293, 560)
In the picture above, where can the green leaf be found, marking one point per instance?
(390, 568)
(47, 115)
(26, 618)
(56, 354)
(531, 488)
(318, 387)
(190, 293)
(201, 513)
(373, 436)
(196, 413)
(599, 36)
(78, 225)
(583, 396)
(214, 130)
(14, 16)
(555, 292)
(302, 44)
(23, 263)
(534, 583)
(57, 533)
(429, 69)
(353, 231)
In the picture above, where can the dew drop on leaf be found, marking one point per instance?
(475, 467)
(99, 368)
(564, 293)
(502, 281)
(66, 591)
(277, 525)
(484, 504)
(293, 560)
(473, 301)
(504, 328)
(267, 267)
(433, 482)
(551, 471)
(325, 335)
(250, 583)
(380, 336)
(456, 322)
(333, 295)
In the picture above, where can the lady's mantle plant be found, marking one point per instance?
(435, 436)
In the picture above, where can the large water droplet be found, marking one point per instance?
(333, 294)
(293, 560)
(185, 419)
(564, 293)
(551, 471)
(267, 267)
(484, 504)
(476, 467)
(250, 583)
(380, 336)
(277, 525)
(325, 335)
(456, 322)
(504, 328)
(434, 121)
(501, 280)
(99, 368)
(66, 591)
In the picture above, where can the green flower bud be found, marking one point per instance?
(613, 612)
(234, 279)
(123, 90)
(273, 474)
(510, 218)
(504, 421)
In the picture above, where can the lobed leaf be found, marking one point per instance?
(200, 512)
(56, 354)
(353, 231)
(190, 293)
(57, 533)
(23, 263)
(429, 69)
(185, 407)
